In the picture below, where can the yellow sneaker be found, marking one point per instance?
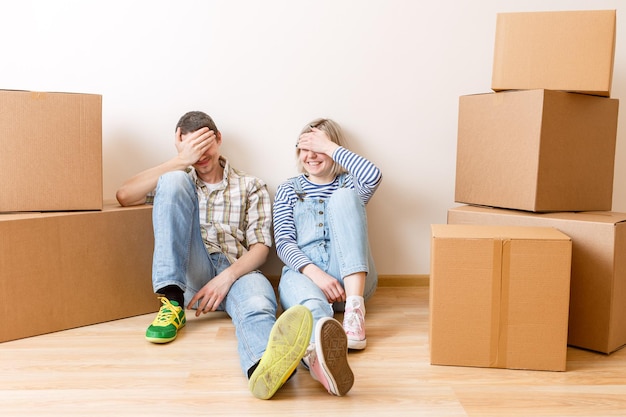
(169, 320)
(287, 345)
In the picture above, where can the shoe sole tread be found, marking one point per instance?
(333, 344)
(287, 345)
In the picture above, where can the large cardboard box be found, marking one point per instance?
(597, 314)
(499, 297)
(569, 50)
(536, 150)
(65, 270)
(51, 157)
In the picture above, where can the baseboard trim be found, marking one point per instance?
(409, 280)
(418, 280)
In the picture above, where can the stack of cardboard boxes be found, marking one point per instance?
(537, 153)
(66, 258)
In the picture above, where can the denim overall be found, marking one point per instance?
(333, 234)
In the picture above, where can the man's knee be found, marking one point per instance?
(174, 178)
(173, 183)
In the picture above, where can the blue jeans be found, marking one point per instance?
(181, 258)
(333, 234)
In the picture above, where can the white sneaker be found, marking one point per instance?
(354, 325)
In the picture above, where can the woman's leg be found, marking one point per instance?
(295, 288)
(347, 225)
(326, 356)
(351, 256)
(351, 259)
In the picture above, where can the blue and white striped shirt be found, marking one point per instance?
(363, 176)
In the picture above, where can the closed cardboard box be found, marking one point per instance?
(536, 150)
(499, 297)
(569, 50)
(597, 314)
(51, 157)
(64, 270)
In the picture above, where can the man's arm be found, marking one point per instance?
(213, 293)
(134, 190)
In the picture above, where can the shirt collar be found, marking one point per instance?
(223, 162)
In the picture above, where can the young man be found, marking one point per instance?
(211, 234)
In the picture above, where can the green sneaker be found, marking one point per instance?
(286, 346)
(170, 318)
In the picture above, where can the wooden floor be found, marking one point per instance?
(110, 370)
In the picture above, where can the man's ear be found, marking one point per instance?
(218, 137)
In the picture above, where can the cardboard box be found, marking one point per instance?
(499, 297)
(597, 315)
(570, 51)
(66, 270)
(51, 157)
(536, 150)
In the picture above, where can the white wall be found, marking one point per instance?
(390, 71)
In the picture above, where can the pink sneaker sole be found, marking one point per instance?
(332, 353)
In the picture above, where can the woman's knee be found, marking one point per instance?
(297, 289)
(346, 204)
(319, 307)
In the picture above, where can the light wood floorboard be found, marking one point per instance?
(110, 370)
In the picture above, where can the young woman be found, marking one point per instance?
(320, 229)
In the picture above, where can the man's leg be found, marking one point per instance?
(270, 349)
(176, 236)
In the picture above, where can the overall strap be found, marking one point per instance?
(342, 180)
(297, 188)
(300, 192)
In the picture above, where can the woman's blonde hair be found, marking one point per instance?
(335, 134)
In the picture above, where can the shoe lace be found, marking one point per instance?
(310, 361)
(167, 314)
(309, 356)
(353, 322)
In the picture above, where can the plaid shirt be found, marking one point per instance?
(235, 214)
